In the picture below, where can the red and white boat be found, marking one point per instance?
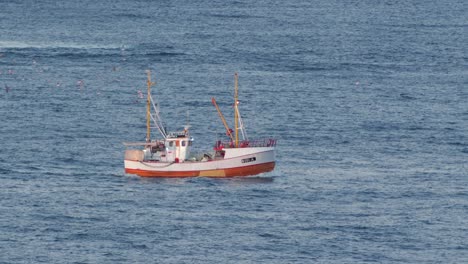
(171, 155)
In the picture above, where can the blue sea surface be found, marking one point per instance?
(368, 101)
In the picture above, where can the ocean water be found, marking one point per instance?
(368, 101)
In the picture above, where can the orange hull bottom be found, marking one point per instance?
(232, 172)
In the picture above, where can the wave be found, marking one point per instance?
(58, 50)
(53, 45)
(85, 51)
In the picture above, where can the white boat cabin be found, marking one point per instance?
(175, 148)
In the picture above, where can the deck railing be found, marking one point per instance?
(267, 142)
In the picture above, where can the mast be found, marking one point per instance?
(236, 112)
(148, 107)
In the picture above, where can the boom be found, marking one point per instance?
(228, 130)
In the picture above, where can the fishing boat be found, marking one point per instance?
(171, 156)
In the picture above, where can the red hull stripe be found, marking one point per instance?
(231, 172)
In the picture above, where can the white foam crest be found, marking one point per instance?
(37, 45)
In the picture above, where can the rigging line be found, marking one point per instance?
(157, 166)
(159, 128)
(158, 121)
(241, 125)
(156, 108)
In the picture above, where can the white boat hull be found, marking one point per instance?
(236, 162)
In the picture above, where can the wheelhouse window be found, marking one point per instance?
(183, 143)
